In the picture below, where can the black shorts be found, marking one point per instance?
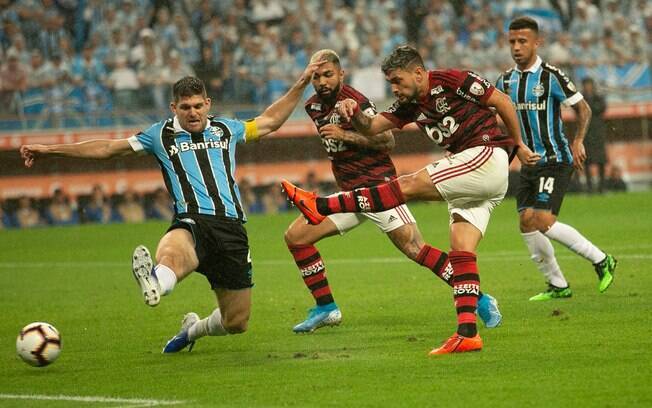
(222, 248)
(543, 187)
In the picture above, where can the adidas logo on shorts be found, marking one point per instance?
(391, 219)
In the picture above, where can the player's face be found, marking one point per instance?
(327, 80)
(523, 45)
(404, 84)
(192, 112)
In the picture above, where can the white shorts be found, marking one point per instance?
(473, 182)
(387, 221)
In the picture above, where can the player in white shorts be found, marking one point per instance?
(357, 161)
(457, 110)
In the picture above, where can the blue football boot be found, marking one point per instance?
(320, 316)
(488, 311)
(181, 341)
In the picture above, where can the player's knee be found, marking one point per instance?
(543, 221)
(537, 258)
(170, 257)
(291, 237)
(236, 325)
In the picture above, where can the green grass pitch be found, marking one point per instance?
(591, 350)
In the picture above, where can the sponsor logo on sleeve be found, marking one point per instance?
(476, 89)
(315, 106)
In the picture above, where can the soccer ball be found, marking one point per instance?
(38, 344)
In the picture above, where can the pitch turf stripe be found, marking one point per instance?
(102, 400)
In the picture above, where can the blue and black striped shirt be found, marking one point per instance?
(537, 94)
(198, 168)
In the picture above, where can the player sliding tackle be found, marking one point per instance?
(197, 158)
(452, 108)
(357, 161)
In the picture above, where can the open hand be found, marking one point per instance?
(579, 154)
(527, 156)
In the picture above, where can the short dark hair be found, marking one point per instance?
(188, 86)
(524, 23)
(403, 57)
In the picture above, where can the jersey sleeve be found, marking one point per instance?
(367, 107)
(499, 84)
(564, 90)
(470, 86)
(144, 141)
(238, 129)
(399, 114)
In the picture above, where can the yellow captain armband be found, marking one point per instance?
(251, 130)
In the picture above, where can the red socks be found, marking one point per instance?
(367, 199)
(466, 290)
(313, 272)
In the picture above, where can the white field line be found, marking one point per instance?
(132, 402)
(493, 257)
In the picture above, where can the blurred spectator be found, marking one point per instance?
(208, 70)
(250, 201)
(26, 215)
(98, 208)
(130, 208)
(594, 143)
(266, 11)
(118, 48)
(19, 49)
(174, 70)
(187, 45)
(39, 80)
(559, 52)
(615, 180)
(161, 207)
(152, 80)
(61, 86)
(13, 82)
(124, 83)
(147, 43)
(61, 211)
(274, 201)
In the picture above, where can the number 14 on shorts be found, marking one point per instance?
(546, 184)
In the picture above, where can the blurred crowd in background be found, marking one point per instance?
(62, 208)
(91, 55)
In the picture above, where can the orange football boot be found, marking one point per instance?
(458, 344)
(305, 201)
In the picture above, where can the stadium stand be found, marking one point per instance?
(107, 66)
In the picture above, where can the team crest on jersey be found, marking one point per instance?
(476, 89)
(315, 106)
(441, 105)
(334, 119)
(215, 131)
(538, 90)
(436, 90)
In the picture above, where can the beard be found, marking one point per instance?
(331, 96)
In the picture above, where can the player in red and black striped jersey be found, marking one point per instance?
(454, 109)
(357, 162)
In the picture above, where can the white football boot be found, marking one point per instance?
(141, 265)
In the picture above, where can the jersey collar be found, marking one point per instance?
(179, 129)
(534, 66)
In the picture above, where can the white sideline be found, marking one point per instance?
(133, 402)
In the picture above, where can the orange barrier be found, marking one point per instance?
(299, 128)
(635, 159)
(148, 180)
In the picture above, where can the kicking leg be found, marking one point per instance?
(176, 258)
(300, 239)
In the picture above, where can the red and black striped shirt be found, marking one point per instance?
(353, 166)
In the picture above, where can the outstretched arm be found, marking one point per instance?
(381, 141)
(583, 112)
(349, 109)
(92, 149)
(507, 113)
(278, 112)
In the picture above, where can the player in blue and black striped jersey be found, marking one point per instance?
(538, 90)
(196, 154)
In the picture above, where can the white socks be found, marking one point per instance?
(166, 278)
(210, 326)
(543, 254)
(575, 241)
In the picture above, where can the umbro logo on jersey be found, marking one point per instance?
(209, 144)
(391, 219)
